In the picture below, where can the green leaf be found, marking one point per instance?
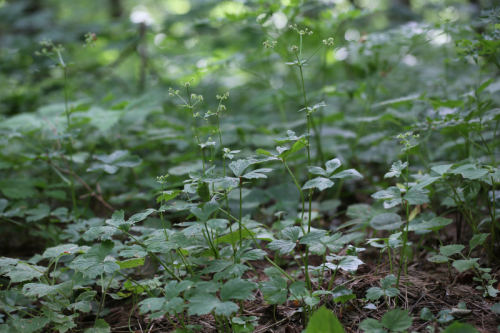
(425, 182)
(36, 214)
(450, 250)
(174, 288)
(463, 265)
(65, 249)
(458, 327)
(131, 263)
(392, 196)
(388, 281)
(291, 137)
(317, 171)
(234, 237)
(100, 327)
(374, 293)
(29, 325)
(239, 166)
(386, 221)
(24, 272)
(274, 290)
(295, 148)
(435, 224)
(237, 289)
(396, 169)
(103, 233)
(324, 321)
(426, 314)
(438, 259)
(312, 237)
(396, 320)
(495, 308)
(94, 263)
(347, 174)
(204, 213)
(347, 263)
(203, 191)
(202, 304)
(476, 240)
(442, 169)
(370, 325)
(320, 183)
(283, 246)
(416, 196)
(258, 173)
(332, 165)
(474, 173)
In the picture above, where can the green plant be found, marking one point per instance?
(396, 320)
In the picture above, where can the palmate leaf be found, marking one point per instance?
(237, 289)
(435, 224)
(102, 233)
(100, 327)
(274, 290)
(476, 240)
(295, 148)
(396, 320)
(64, 249)
(283, 246)
(111, 163)
(347, 263)
(239, 166)
(203, 304)
(463, 265)
(374, 293)
(330, 242)
(416, 196)
(450, 250)
(94, 263)
(258, 173)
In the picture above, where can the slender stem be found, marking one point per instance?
(405, 233)
(301, 196)
(239, 221)
(196, 130)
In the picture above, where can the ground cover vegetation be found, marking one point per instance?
(249, 166)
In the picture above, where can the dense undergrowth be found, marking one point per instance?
(346, 180)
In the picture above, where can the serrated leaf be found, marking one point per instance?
(476, 240)
(320, 183)
(29, 325)
(442, 169)
(386, 221)
(317, 171)
(396, 320)
(102, 233)
(347, 174)
(94, 263)
(204, 213)
(131, 263)
(258, 173)
(450, 250)
(435, 224)
(396, 169)
(370, 325)
(324, 321)
(312, 237)
(463, 265)
(274, 290)
(347, 263)
(416, 196)
(374, 293)
(237, 289)
(392, 193)
(438, 259)
(332, 165)
(295, 148)
(239, 166)
(39, 213)
(24, 272)
(174, 288)
(388, 281)
(100, 327)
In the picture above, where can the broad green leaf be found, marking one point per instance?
(392, 196)
(312, 237)
(29, 325)
(234, 237)
(438, 259)
(416, 196)
(258, 173)
(174, 288)
(396, 169)
(298, 289)
(317, 171)
(133, 251)
(332, 165)
(435, 224)
(24, 272)
(36, 214)
(324, 321)
(237, 289)
(495, 308)
(347, 263)
(474, 173)
(374, 293)
(94, 263)
(320, 183)
(100, 327)
(386, 221)
(290, 137)
(216, 266)
(463, 265)
(140, 216)
(64, 249)
(131, 263)
(426, 314)
(239, 166)
(204, 213)
(295, 148)
(476, 240)
(274, 290)
(450, 250)
(388, 281)
(396, 320)
(283, 246)
(425, 182)
(102, 233)
(458, 327)
(370, 325)
(347, 174)
(442, 169)
(330, 242)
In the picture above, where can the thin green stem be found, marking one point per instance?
(301, 196)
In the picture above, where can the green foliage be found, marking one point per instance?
(324, 321)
